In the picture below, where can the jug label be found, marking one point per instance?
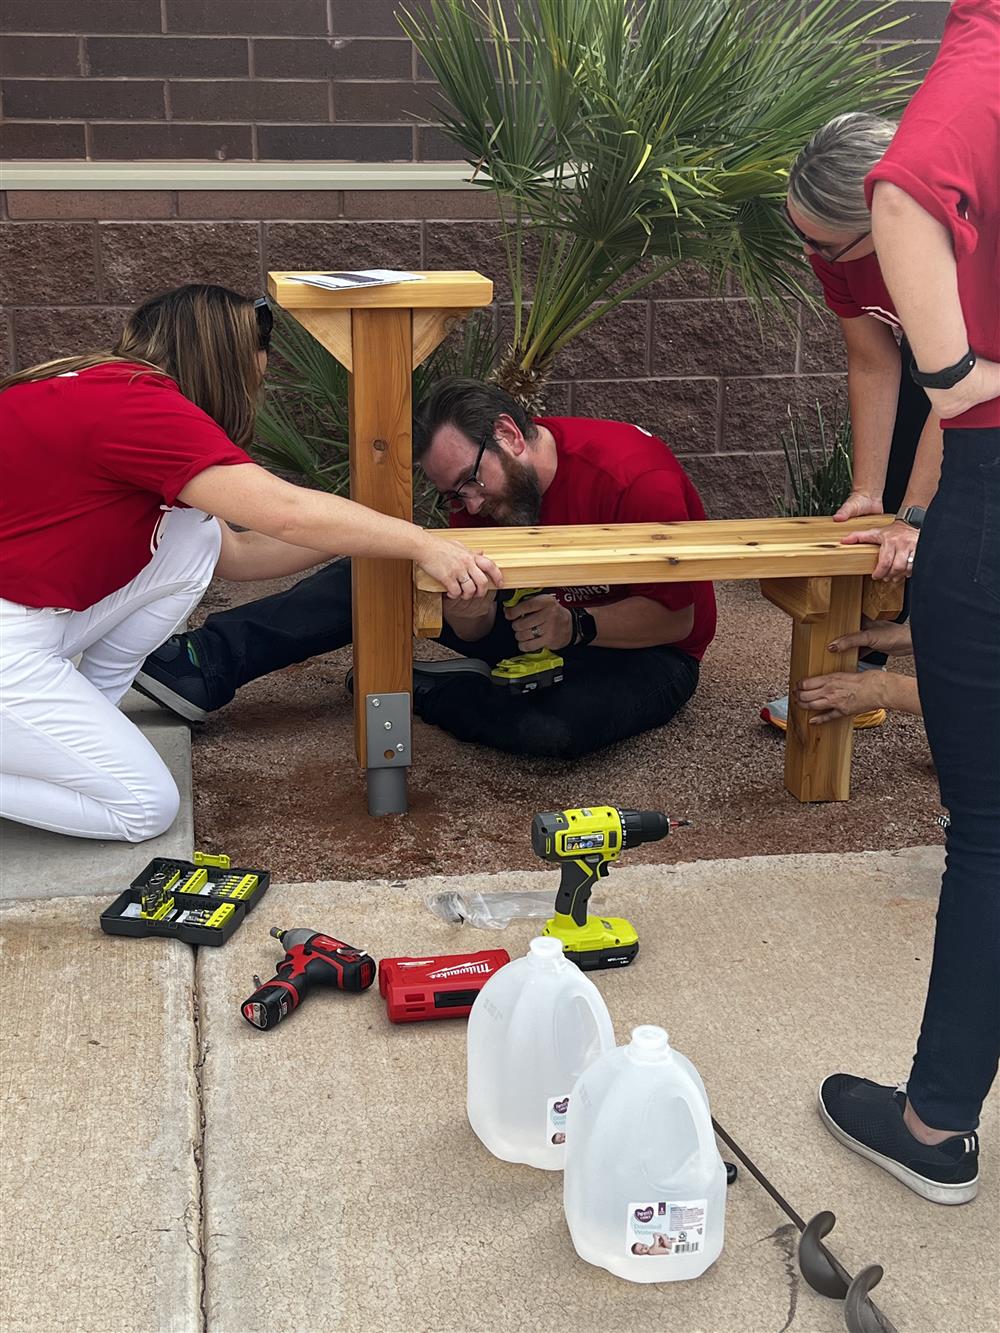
(555, 1120)
(666, 1227)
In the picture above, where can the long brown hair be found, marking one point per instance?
(204, 338)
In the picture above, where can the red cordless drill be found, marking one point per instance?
(311, 959)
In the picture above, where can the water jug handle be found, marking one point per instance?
(702, 1118)
(595, 1003)
(602, 1017)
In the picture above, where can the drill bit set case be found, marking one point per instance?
(200, 902)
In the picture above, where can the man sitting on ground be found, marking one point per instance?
(632, 652)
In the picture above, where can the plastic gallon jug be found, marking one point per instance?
(534, 1028)
(644, 1186)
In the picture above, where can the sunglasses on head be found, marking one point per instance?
(265, 322)
(822, 247)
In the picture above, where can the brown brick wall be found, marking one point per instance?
(235, 79)
(683, 363)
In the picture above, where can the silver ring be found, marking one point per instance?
(467, 579)
(536, 633)
(909, 558)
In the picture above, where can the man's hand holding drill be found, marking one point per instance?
(541, 622)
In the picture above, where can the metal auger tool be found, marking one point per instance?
(822, 1270)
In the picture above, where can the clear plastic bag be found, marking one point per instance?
(489, 911)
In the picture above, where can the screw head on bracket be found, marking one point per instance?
(376, 703)
(401, 747)
(387, 726)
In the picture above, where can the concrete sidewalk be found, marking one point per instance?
(176, 1170)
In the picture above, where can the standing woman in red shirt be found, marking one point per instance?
(896, 439)
(114, 464)
(935, 200)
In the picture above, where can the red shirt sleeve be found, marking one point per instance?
(657, 497)
(933, 175)
(836, 292)
(945, 152)
(158, 440)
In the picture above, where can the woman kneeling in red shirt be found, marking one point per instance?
(121, 472)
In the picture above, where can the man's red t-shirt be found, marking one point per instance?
(90, 461)
(946, 156)
(610, 472)
(855, 287)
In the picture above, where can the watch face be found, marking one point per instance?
(914, 516)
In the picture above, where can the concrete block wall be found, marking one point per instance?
(687, 365)
(213, 80)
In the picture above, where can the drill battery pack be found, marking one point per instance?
(529, 671)
(441, 987)
(200, 902)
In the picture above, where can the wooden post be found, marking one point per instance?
(380, 414)
(379, 334)
(818, 758)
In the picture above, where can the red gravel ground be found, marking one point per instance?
(276, 782)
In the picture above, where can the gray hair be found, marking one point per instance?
(827, 178)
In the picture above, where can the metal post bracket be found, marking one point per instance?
(388, 730)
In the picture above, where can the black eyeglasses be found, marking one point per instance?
(265, 322)
(454, 499)
(823, 247)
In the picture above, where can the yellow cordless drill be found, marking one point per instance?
(527, 671)
(584, 842)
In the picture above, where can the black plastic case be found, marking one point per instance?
(196, 897)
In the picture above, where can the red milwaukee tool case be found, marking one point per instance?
(438, 987)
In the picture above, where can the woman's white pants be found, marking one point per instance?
(69, 760)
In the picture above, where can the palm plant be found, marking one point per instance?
(302, 425)
(621, 139)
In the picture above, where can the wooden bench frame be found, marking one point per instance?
(802, 566)
(379, 334)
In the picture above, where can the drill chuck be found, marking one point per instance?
(639, 826)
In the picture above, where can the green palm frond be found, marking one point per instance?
(625, 139)
(302, 426)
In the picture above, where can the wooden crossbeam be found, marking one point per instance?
(801, 562)
(670, 552)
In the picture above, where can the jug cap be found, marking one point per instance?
(546, 948)
(648, 1043)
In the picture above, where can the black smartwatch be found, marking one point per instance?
(912, 516)
(943, 379)
(584, 627)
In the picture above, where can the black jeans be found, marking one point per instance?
(956, 640)
(608, 694)
(912, 409)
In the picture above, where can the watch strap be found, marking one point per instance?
(584, 627)
(913, 516)
(947, 378)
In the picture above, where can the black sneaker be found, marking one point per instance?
(868, 1118)
(173, 677)
(428, 674)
